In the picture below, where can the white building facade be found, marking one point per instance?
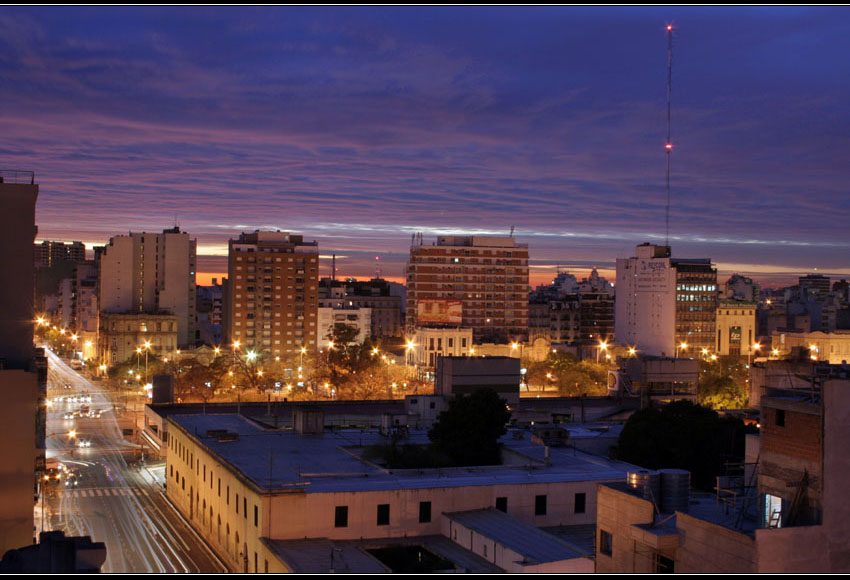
(151, 273)
(645, 308)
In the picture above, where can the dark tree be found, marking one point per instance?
(467, 433)
(683, 435)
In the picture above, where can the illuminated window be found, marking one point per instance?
(772, 511)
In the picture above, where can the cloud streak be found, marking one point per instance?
(360, 126)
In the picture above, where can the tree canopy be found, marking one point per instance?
(571, 377)
(683, 435)
(723, 383)
(467, 433)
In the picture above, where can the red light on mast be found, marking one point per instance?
(669, 146)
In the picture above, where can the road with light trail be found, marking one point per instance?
(116, 499)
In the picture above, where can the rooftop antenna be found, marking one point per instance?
(512, 231)
(669, 144)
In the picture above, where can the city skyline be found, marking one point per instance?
(358, 127)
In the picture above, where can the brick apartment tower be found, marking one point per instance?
(271, 293)
(487, 275)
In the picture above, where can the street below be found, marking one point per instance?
(109, 489)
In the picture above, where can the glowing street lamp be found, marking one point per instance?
(683, 347)
(632, 351)
(755, 347)
(147, 347)
(410, 346)
(602, 346)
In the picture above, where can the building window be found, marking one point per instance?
(424, 512)
(244, 507)
(663, 565)
(580, 503)
(237, 503)
(341, 516)
(256, 517)
(540, 505)
(502, 504)
(606, 543)
(780, 417)
(384, 514)
(772, 511)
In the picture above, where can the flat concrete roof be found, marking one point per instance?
(533, 544)
(313, 556)
(736, 514)
(285, 461)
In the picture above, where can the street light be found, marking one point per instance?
(147, 348)
(602, 346)
(410, 346)
(755, 347)
(683, 347)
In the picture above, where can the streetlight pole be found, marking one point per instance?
(147, 349)
(756, 347)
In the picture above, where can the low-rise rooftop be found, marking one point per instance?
(285, 460)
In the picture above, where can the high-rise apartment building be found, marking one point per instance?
(663, 303)
(696, 303)
(23, 375)
(473, 282)
(271, 293)
(151, 273)
(49, 253)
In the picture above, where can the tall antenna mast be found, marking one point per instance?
(669, 144)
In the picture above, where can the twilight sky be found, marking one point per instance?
(360, 126)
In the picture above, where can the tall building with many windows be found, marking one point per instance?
(664, 303)
(271, 293)
(49, 253)
(473, 282)
(151, 273)
(696, 303)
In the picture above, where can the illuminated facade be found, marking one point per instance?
(121, 335)
(696, 303)
(664, 303)
(736, 328)
(645, 308)
(481, 283)
(271, 294)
